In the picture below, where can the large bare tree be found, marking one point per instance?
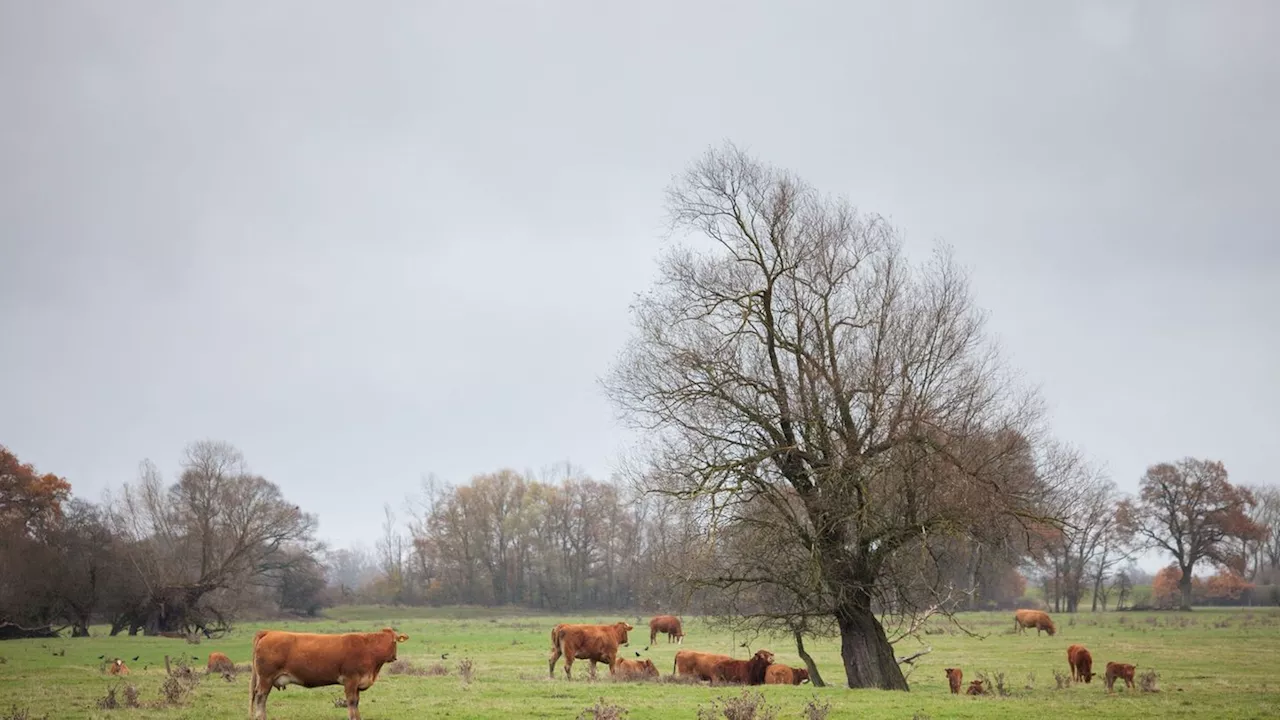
(793, 372)
(218, 528)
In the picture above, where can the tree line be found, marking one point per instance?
(831, 444)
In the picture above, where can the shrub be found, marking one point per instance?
(466, 670)
(1147, 681)
(750, 705)
(1062, 679)
(817, 709)
(603, 711)
(17, 713)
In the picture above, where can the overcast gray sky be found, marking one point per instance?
(364, 241)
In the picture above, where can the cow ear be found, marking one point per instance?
(401, 637)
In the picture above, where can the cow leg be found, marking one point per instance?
(352, 688)
(551, 666)
(593, 668)
(568, 665)
(653, 636)
(258, 691)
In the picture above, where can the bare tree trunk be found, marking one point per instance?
(1184, 584)
(814, 676)
(868, 657)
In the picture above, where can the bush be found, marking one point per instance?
(466, 670)
(750, 705)
(816, 709)
(1147, 681)
(602, 711)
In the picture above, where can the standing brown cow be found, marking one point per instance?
(1119, 670)
(1081, 662)
(312, 660)
(1037, 619)
(669, 624)
(955, 676)
(743, 672)
(597, 643)
(696, 663)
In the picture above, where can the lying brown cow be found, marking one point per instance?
(313, 660)
(219, 663)
(1081, 662)
(1037, 619)
(954, 677)
(597, 643)
(975, 688)
(635, 669)
(1119, 670)
(117, 667)
(669, 624)
(698, 664)
(743, 672)
(779, 674)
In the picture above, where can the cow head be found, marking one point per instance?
(649, 670)
(764, 656)
(1088, 676)
(396, 639)
(621, 629)
(800, 675)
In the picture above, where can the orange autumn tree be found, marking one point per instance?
(30, 502)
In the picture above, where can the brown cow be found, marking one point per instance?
(669, 624)
(597, 643)
(219, 663)
(1081, 662)
(117, 667)
(352, 660)
(954, 677)
(779, 674)
(696, 663)
(1037, 619)
(1119, 670)
(743, 672)
(975, 688)
(635, 669)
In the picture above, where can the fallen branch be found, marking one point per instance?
(912, 658)
(13, 631)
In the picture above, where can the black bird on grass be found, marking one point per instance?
(135, 658)
(637, 654)
(104, 657)
(445, 656)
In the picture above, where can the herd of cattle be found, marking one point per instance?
(353, 660)
(1078, 657)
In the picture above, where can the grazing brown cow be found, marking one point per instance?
(1081, 662)
(1037, 619)
(975, 688)
(779, 674)
(696, 663)
(669, 624)
(597, 643)
(312, 660)
(743, 672)
(954, 677)
(1119, 670)
(117, 667)
(220, 663)
(635, 669)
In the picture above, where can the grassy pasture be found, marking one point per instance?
(1211, 663)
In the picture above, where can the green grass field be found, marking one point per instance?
(1211, 664)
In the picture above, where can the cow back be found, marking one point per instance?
(316, 660)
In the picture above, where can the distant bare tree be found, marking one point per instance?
(1190, 509)
(1266, 516)
(802, 383)
(1090, 541)
(217, 528)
